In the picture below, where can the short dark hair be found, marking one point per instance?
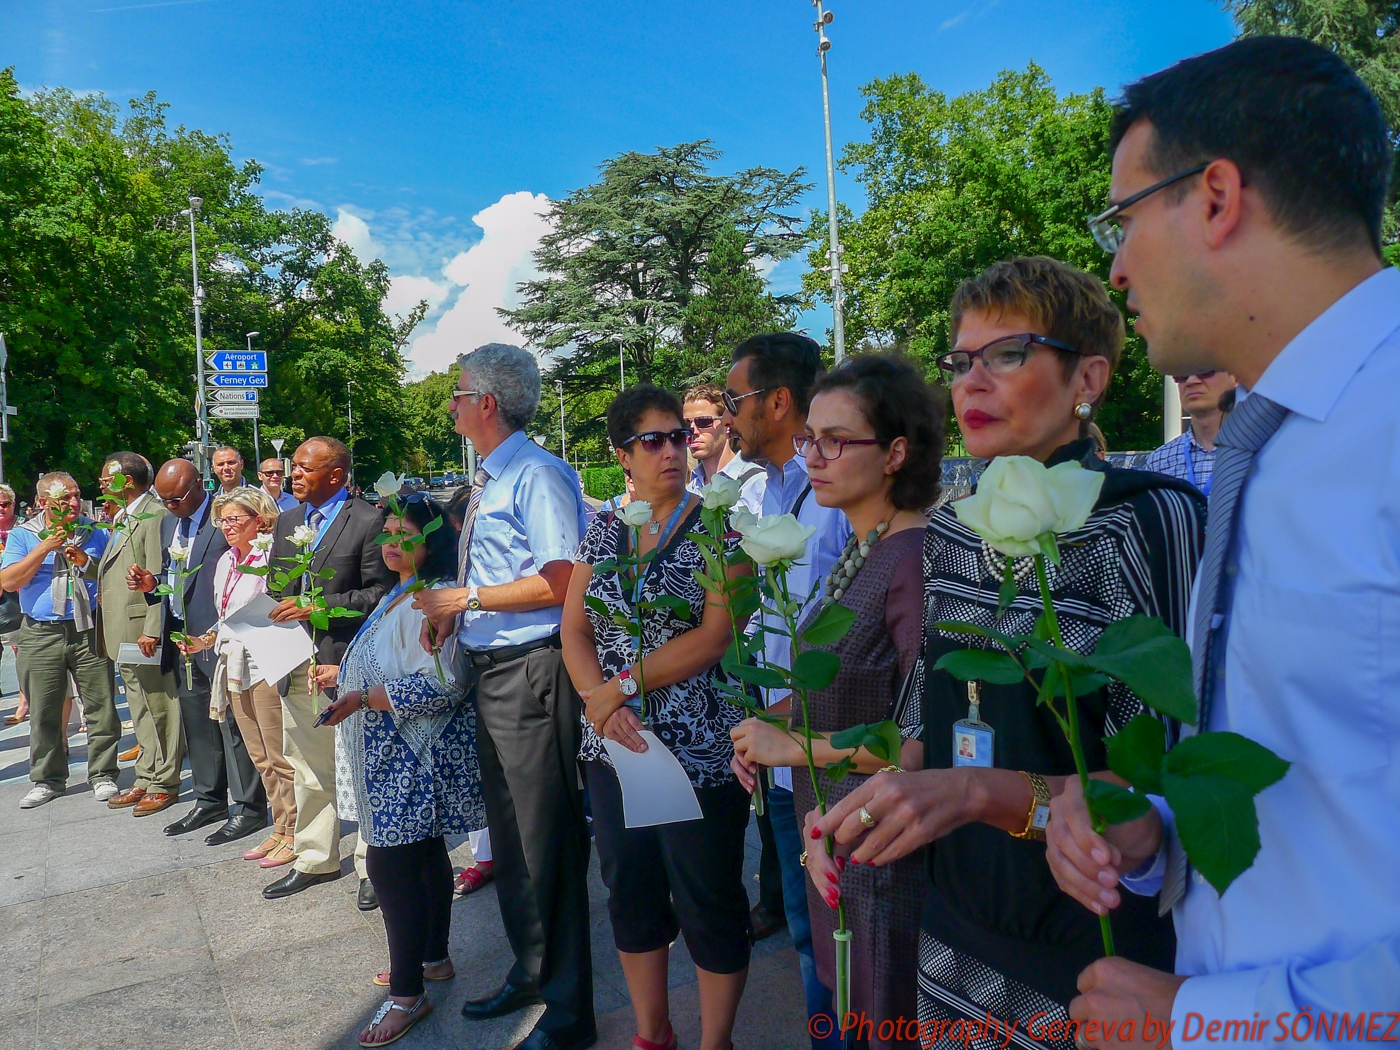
(441, 563)
(783, 359)
(898, 402)
(137, 468)
(339, 450)
(628, 408)
(1297, 121)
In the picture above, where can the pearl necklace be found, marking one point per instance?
(995, 563)
(838, 580)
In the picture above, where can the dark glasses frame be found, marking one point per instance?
(700, 422)
(802, 443)
(653, 440)
(1110, 237)
(1024, 338)
(1196, 375)
(731, 401)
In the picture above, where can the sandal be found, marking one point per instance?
(382, 978)
(473, 878)
(419, 1010)
(264, 848)
(15, 719)
(282, 854)
(671, 1043)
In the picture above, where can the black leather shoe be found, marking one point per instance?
(539, 1039)
(296, 881)
(367, 900)
(237, 827)
(196, 818)
(504, 1000)
(765, 923)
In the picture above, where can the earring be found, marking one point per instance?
(1083, 410)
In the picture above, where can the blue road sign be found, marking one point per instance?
(237, 360)
(218, 379)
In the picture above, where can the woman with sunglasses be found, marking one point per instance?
(1034, 343)
(674, 877)
(246, 516)
(874, 447)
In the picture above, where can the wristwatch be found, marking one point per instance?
(627, 683)
(473, 600)
(1039, 814)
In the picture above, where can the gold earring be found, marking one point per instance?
(1083, 410)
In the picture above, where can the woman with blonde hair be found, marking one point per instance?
(246, 516)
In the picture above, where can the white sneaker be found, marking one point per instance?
(102, 790)
(38, 795)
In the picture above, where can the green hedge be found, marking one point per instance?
(602, 482)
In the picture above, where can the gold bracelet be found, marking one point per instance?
(1039, 813)
(890, 769)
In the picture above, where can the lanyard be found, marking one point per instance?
(1191, 473)
(231, 583)
(671, 523)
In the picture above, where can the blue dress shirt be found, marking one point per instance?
(531, 514)
(285, 502)
(330, 509)
(1312, 671)
(34, 597)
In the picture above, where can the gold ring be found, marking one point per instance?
(866, 818)
(802, 860)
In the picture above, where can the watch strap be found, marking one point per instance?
(1038, 816)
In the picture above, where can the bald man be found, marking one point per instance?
(227, 464)
(220, 767)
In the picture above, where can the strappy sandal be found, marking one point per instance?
(382, 978)
(282, 854)
(419, 1010)
(263, 849)
(671, 1043)
(473, 878)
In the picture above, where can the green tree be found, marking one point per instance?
(956, 184)
(430, 427)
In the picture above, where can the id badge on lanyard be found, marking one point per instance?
(973, 739)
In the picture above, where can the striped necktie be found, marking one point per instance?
(1246, 430)
(464, 561)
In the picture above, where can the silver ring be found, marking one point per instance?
(866, 818)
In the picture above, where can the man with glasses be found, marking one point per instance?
(272, 474)
(1263, 259)
(1191, 455)
(713, 451)
(765, 399)
(220, 766)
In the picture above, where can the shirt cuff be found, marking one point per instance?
(543, 558)
(1204, 1005)
(1146, 879)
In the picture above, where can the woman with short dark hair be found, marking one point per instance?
(874, 448)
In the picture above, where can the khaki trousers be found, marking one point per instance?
(258, 712)
(311, 752)
(48, 654)
(154, 702)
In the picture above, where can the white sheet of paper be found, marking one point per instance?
(130, 653)
(655, 789)
(277, 648)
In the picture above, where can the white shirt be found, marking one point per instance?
(1312, 671)
(751, 491)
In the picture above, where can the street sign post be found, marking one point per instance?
(236, 379)
(234, 411)
(237, 361)
(233, 396)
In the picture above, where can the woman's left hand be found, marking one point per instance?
(824, 871)
(343, 708)
(909, 810)
(625, 727)
(327, 675)
(760, 743)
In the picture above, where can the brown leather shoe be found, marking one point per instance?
(131, 754)
(129, 797)
(154, 802)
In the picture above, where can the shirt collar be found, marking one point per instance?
(1310, 373)
(340, 495)
(503, 454)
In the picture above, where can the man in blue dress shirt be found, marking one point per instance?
(1264, 260)
(520, 533)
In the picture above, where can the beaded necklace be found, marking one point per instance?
(843, 573)
(995, 563)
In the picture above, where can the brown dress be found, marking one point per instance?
(883, 905)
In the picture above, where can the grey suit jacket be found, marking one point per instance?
(124, 615)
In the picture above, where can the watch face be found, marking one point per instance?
(629, 687)
(1042, 817)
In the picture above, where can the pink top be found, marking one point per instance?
(233, 590)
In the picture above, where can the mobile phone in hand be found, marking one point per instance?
(322, 717)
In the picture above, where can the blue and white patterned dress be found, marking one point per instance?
(410, 773)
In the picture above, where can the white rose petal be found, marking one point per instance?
(179, 552)
(636, 514)
(389, 484)
(741, 518)
(1018, 500)
(58, 490)
(721, 493)
(1074, 492)
(303, 535)
(262, 543)
(778, 537)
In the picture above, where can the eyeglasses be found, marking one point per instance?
(704, 422)
(6, 504)
(829, 446)
(652, 440)
(731, 401)
(272, 473)
(1104, 227)
(1196, 375)
(452, 397)
(232, 521)
(178, 499)
(999, 356)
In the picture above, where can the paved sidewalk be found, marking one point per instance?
(117, 936)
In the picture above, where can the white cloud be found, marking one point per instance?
(351, 230)
(405, 293)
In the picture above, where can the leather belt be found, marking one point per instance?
(506, 653)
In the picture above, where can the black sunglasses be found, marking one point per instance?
(1196, 375)
(703, 422)
(652, 440)
(731, 401)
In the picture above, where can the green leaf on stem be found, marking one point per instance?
(339, 611)
(598, 606)
(763, 677)
(971, 665)
(253, 570)
(1216, 821)
(1135, 753)
(432, 527)
(1084, 682)
(881, 739)
(837, 771)
(1008, 641)
(1049, 547)
(320, 619)
(1115, 804)
(1007, 594)
(1144, 654)
(830, 625)
(814, 669)
(384, 537)
(164, 589)
(676, 604)
(705, 581)
(1229, 755)
(744, 604)
(325, 574)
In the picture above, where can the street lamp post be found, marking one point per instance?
(350, 418)
(201, 395)
(559, 385)
(621, 370)
(257, 447)
(834, 267)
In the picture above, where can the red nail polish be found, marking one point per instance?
(840, 863)
(830, 877)
(816, 834)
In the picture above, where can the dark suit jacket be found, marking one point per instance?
(207, 546)
(348, 549)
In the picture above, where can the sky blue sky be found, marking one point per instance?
(404, 120)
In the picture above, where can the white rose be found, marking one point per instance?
(636, 514)
(389, 484)
(179, 552)
(303, 536)
(777, 537)
(1018, 500)
(262, 543)
(741, 518)
(721, 493)
(58, 490)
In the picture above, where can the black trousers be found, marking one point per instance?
(527, 738)
(414, 883)
(770, 869)
(220, 766)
